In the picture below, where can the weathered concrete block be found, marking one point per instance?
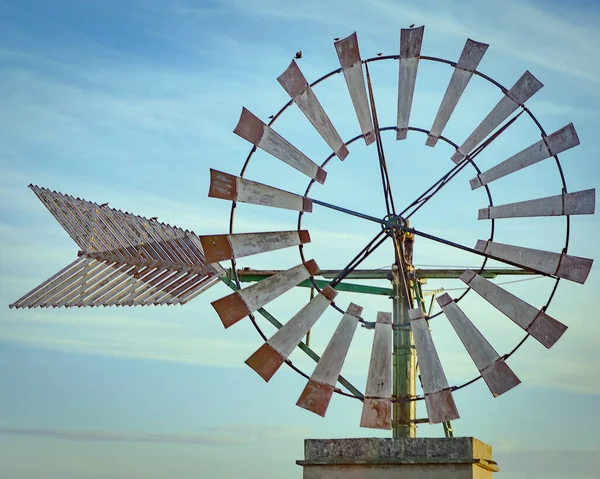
(406, 458)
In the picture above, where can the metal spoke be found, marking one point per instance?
(385, 178)
(350, 212)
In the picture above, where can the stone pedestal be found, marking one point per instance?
(406, 458)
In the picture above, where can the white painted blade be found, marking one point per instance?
(564, 266)
(377, 405)
(235, 188)
(410, 49)
(524, 89)
(578, 203)
(240, 304)
(538, 324)
(251, 128)
(467, 63)
(438, 397)
(495, 372)
(271, 355)
(349, 55)
(316, 395)
(222, 247)
(548, 146)
(293, 82)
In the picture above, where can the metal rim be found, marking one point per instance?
(470, 161)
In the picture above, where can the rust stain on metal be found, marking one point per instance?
(222, 185)
(231, 309)
(307, 205)
(304, 236)
(292, 80)
(315, 397)
(265, 361)
(216, 248)
(347, 50)
(441, 407)
(329, 293)
(354, 310)
(377, 413)
(249, 127)
(312, 267)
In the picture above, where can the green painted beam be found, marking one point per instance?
(350, 287)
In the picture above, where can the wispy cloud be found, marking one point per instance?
(223, 435)
(107, 436)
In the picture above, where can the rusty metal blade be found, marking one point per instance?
(578, 203)
(251, 128)
(235, 188)
(495, 372)
(293, 82)
(240, 304)
(548, 146)
(410, 50)
(438, 397)
(271, 355)
(467, 63)
(542, 327)
(222, 247)
(349, 56)
(524, 89)
(377, 406)
(316, 395)
(564, 266)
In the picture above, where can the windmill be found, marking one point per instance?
(129, 260)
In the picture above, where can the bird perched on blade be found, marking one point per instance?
(104, 204)
(412, 26)
(154, 218)
(335, 39)
(271, 117)
(299, 54)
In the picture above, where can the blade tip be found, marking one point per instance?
(315, 397)
(231, 309)
(265, 361)
(376, 414)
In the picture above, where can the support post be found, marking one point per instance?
(404, 368)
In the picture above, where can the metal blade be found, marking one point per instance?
(251, 128)
(234, 188)
(438, 397)
(495, 372)
(349, 55)
(410, 49)
(271, 355)
(578, 203)
(316, 395)
(524, 89)
(564, 266)
(293, 82)
(467, 63)
(537, 323)
(377, 406)
(221, 247)
(240, 304)
(548, 146)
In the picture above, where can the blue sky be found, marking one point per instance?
(132, 102)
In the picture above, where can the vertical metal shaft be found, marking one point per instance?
(404, 363)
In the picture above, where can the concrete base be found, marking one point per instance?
(406, 458)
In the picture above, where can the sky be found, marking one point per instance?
(133, 101)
